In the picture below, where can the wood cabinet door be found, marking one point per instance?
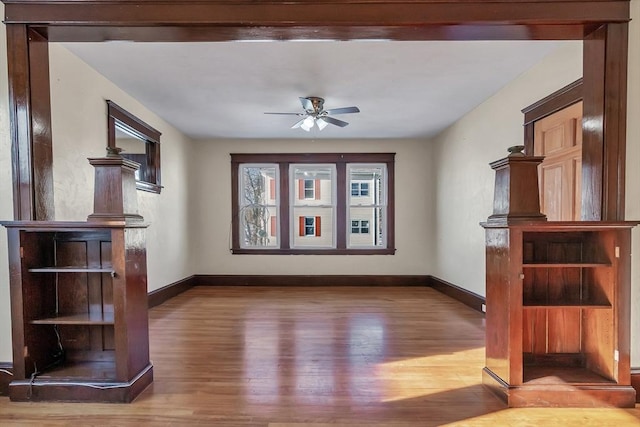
(558, 138)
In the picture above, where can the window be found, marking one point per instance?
(312, 203)
(310, 226)
(258, 207)
(360, 226)
(139, 142)
(367, 205)
(359, 189)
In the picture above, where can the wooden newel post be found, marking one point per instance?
(516, 193)
(115, 197)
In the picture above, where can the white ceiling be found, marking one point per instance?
(221, 90)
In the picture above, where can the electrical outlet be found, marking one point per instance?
(483, 308)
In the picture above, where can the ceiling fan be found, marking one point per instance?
(315, 114)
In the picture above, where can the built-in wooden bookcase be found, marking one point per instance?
(79, 302)
(558, 313)
(79, 311)
(557, 298)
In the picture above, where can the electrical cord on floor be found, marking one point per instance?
(58, 358)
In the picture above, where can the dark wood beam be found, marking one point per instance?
(160, 20)
(604, 123)
(30, 113)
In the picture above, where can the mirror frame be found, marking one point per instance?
(117, 116)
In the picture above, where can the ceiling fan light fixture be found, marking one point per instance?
(314, 113)
(307, 123)
(321, 123)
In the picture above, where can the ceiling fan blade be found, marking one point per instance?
(306, 104)
(288, 114)
(344, 110)
(333, 121)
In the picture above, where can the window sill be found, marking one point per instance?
(243, 251)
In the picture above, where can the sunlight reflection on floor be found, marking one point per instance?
(423, 376)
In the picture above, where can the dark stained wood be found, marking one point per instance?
(6, 375)
(303, 14)
(29, 109)
(561, 317)
(314, 280)
(615, 122)
(199, 33)
(548, 105)
(516, 196)
(115, 184)
(635, 382)
(41, 126)
(150, 162)
(165, 293)
(465, 296)
(604, 118)
(101, 318)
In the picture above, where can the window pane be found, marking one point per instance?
(367, 184)
(312, 227)
(312, 185)
(256, 226)
(258, 206)
(370, 227)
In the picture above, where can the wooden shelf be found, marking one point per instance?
(78, 371)
(550, 375)
(565, 264)
(77, 319)
(565, 304)
(71, 269)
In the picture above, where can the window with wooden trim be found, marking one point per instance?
(313, 203)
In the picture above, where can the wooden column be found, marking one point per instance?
(604, 123)
(30, 114)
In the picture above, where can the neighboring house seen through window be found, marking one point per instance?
(292, 203)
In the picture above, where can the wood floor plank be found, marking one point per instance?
(303, 356)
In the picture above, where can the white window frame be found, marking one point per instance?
(271, 203)
(356, 201)
(292, 194)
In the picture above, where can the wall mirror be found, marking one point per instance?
(139, 142)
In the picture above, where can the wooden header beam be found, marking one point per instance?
(207, 20)
(602, 24)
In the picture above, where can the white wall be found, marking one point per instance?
(462, 153)
(79, 126)
(6, 198)
(414, 211)
(633, 173)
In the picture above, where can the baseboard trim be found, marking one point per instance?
(466, 297)
(635, 382)
(316, 280)
(165, 293)
(6, 375)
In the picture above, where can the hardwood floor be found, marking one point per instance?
(289, 357)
